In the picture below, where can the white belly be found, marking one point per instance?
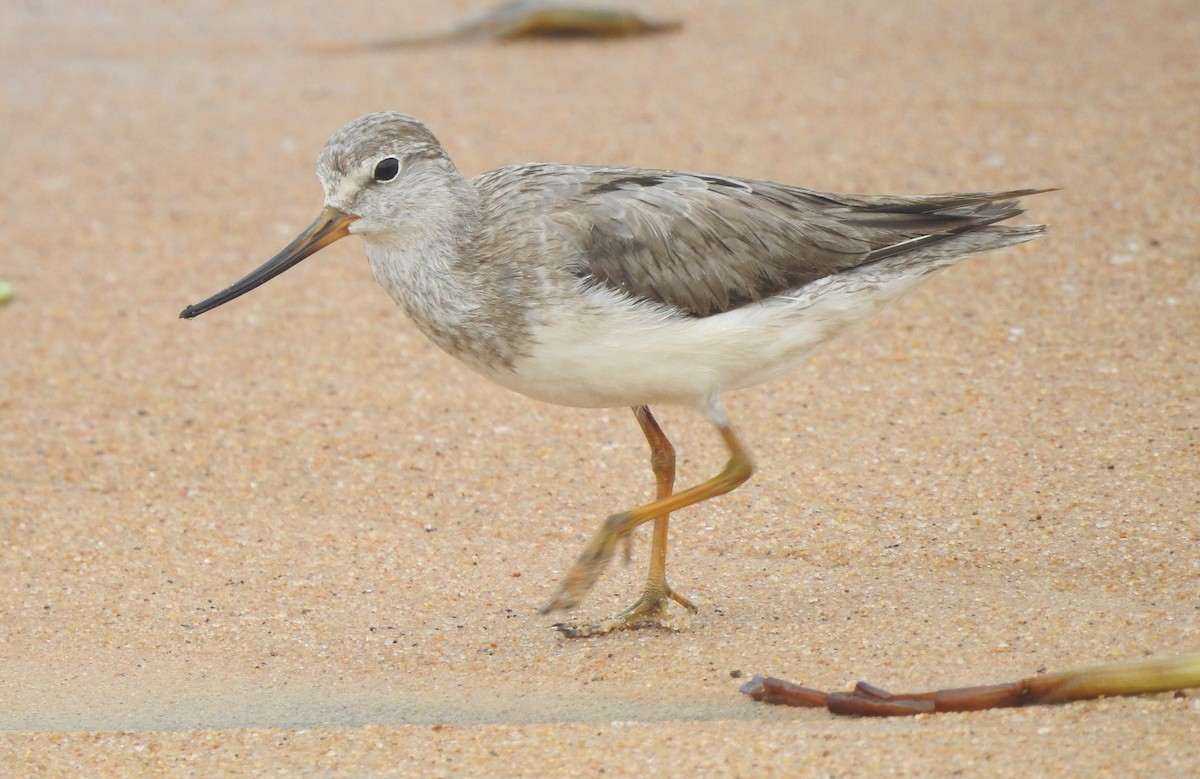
(606, 351)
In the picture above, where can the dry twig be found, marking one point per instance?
(866, 700)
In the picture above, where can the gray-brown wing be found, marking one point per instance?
(707, 244)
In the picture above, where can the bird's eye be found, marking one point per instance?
(387, 169)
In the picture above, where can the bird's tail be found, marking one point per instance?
(949, 226)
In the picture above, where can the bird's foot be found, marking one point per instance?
(590, 564)
(627, 547)
(650, 610)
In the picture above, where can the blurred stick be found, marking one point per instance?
(530, 19)
(866, 700)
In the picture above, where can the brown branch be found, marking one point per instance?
(866, 700)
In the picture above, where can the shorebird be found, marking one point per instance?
(601, 287)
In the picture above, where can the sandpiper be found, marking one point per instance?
(605, 286)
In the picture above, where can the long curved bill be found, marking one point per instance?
(330, 226)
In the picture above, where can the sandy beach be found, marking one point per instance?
(292, 537)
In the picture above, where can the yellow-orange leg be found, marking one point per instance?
(591, 563)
